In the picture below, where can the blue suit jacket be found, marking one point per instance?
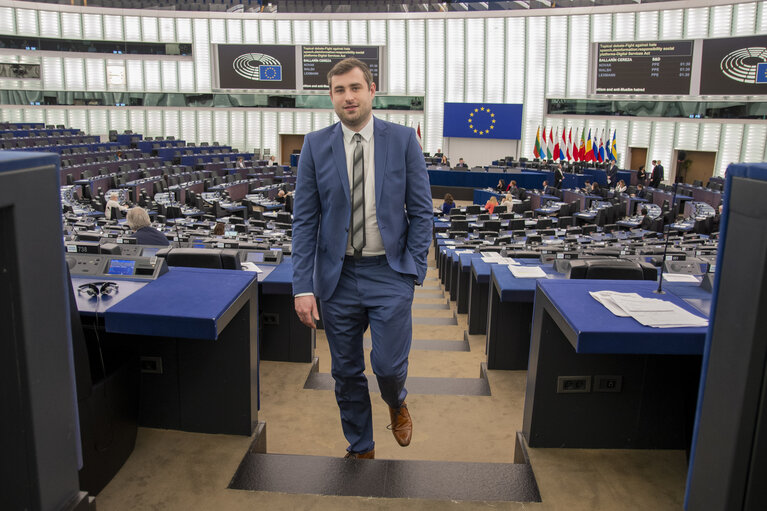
(322, 208)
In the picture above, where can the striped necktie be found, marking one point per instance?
(358, 197)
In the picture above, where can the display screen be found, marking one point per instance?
(255, 257)
(316, 61)
(121, 267)
(149, 251)
(257, 66)
(734, 65)
(644, 67)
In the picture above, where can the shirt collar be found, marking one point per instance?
(366, 132)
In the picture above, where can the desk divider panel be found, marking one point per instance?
(728, 464)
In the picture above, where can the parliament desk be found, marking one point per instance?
(538, 199)
(641, 383)
(481, 196)
(196, 332)
(509, 316)
(471, 179)
(711, 197)
(129, 139)
(631, 205)
(283, 337)
(464, 281)
(236, 190)
(479, 289)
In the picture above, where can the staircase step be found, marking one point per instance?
(407, 479)
(414, 384)
(430, 344)
(435, 321)
(428, 293)
(432, 306)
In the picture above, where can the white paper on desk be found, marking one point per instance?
(466, 251)
(490, 255)
(248, 266)
(632, 304)
(680, 277)
(606, 299)
(527, 272)
(675, 318)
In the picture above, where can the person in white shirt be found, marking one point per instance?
(621, 187)
(113, 202)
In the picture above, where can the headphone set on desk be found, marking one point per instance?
(98, 289)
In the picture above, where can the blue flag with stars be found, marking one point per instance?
(483, 120)
(271, 73)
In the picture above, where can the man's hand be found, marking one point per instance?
(306, 308)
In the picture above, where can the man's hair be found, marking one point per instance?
(346, 65)
(137, 218)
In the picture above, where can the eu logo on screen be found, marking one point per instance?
(270, 73)
(761, 72)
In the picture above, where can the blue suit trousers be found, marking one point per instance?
(369, 293)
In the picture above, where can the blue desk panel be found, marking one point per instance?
(525, 179)
(280, 280)
(599, 331)
(185, 302)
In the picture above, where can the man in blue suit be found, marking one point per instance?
(362, 225)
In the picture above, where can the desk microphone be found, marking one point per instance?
(665, 245)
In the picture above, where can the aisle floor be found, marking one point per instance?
(172, 470)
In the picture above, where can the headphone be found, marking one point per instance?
(98, 289)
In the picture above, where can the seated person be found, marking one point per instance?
(595, 189)
(138, 220)
(641, 192)
(240, 163)
(273, 160)
(443, 162)
(447, 204)
(438, 154)
(513, 190)
(113, 203)
(501, 187)
(461, 164)
(508, 201)
(549, 190)
(586, 186)
(621, 186)
(219, 229)
(491, 204)
(281, 196)
(646, 220)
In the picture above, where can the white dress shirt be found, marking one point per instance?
(373, 242)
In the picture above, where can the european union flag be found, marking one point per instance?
(270, 73)
(483, 120)
(761, 72)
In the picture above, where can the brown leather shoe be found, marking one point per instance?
(401, 424)
(370, 455)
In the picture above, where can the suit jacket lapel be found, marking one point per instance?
(339, 155)
(381, 146)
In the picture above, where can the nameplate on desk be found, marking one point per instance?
(678, 257)
(566, 255)
(227, 244)
(628, 252)
(126, 241)
(110, 235)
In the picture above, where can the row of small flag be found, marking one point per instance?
(552, 147)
